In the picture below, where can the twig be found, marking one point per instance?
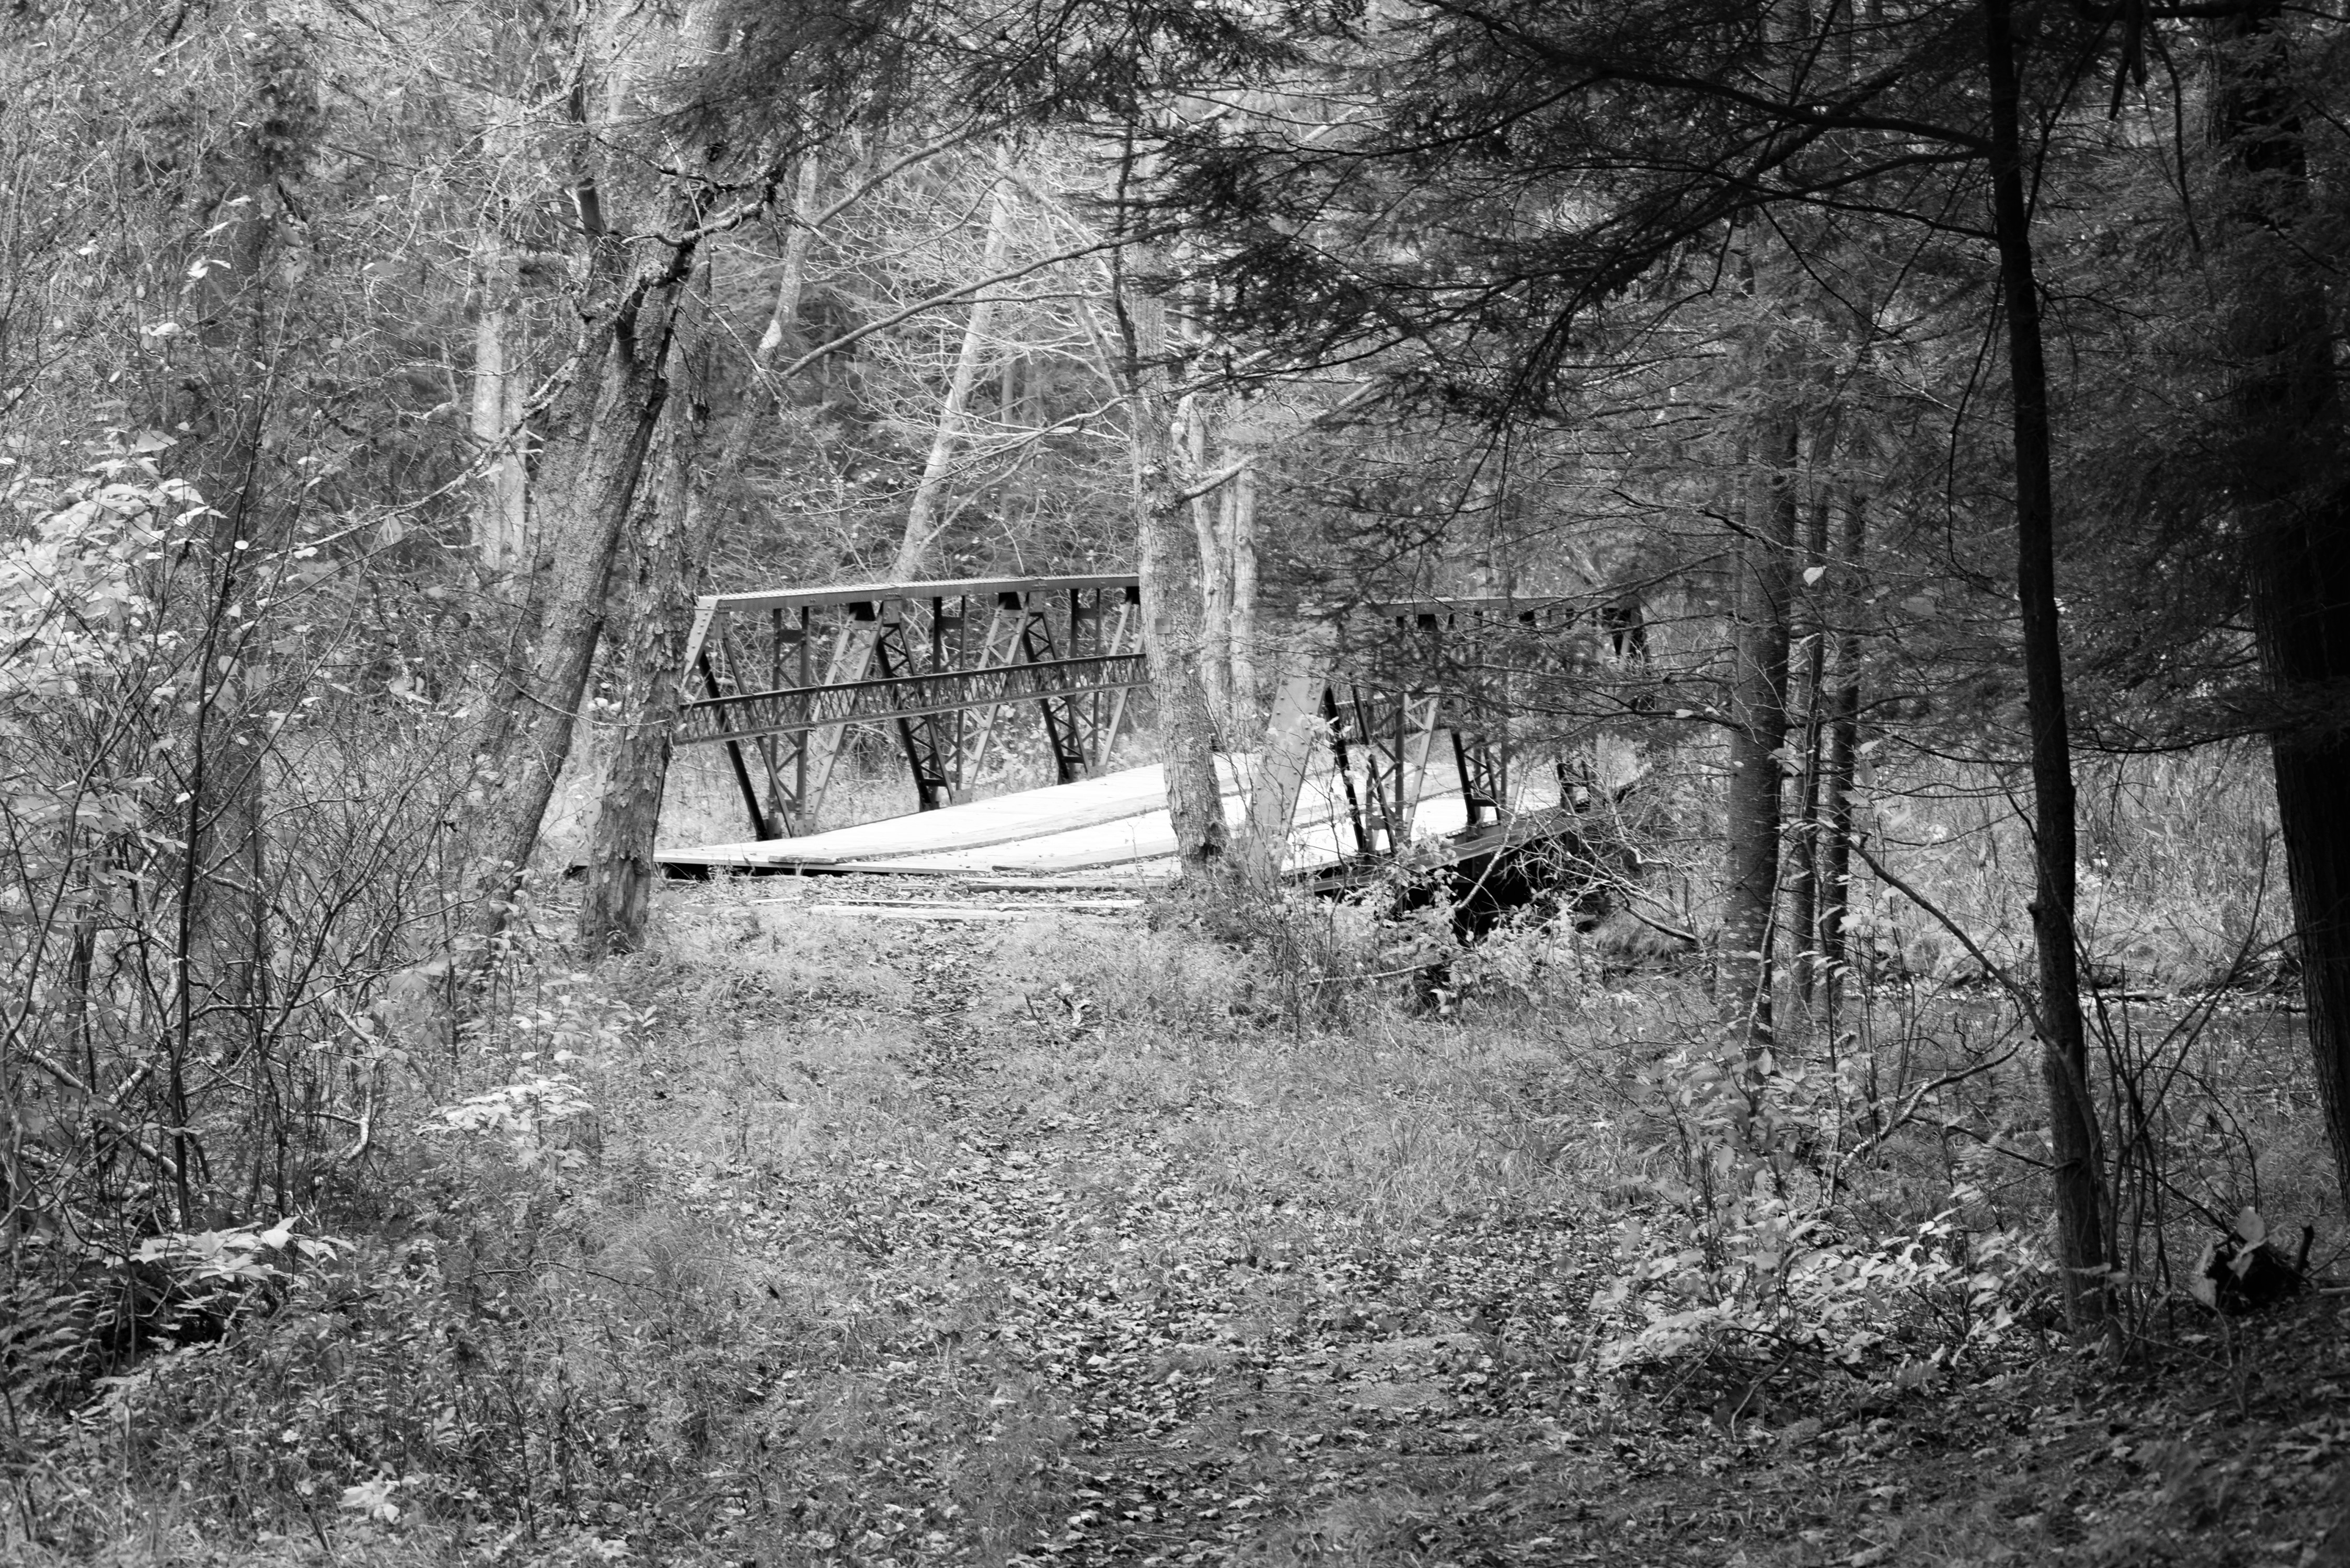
(1908, 1108)
(102, 1108)
(1998, 972)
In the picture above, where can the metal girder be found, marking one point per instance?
(1069, 761)
(931, 659)
(1395, 730)
(945, 663)
(738, 716)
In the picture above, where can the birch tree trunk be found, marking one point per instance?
(500, 509)
(922, 525)
(852, 654)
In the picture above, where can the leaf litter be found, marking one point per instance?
(1062, 1332)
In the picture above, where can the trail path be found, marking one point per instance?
(1085, 1329)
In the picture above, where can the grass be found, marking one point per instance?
(2180, 880)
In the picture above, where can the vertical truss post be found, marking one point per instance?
(1060, 712)
(749, 791)
(1482, 760)
(947, 650)
(917, 735)
(1337, 723)
(1001, 647)
(774, 749)
(1086, 713)
(851, 660)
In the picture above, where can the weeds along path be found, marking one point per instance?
(1232, 1378)
(1112, 1272)
(1036, 1239)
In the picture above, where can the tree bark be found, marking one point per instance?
(1758, 729)
(593, 464)
(2291, 486)
(922, 514)
(1208, 514)
(672, 547)
(1239, 533)
(2064, 1060)
(1804, 847)
(1168, 563)
(500, 509)
(226, 887)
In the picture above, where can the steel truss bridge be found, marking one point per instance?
(1388, 723)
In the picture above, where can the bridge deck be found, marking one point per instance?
(1116, 825)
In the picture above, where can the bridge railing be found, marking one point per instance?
(777, 679)
(1391, 693)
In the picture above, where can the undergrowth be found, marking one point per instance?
(650, 1262)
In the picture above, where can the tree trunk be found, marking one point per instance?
(1208, 513)
(2291, 486)
(500, 509)
(922, 525)
(671, 559)
(1804, 847)
(1758, 729)
(671, 550)
(1168, 563)
(2064, 1059)
(228, 918)
(594, 462)
(852, 655)
(1839, 752)
(1239, 535)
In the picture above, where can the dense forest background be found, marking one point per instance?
(1932, 414)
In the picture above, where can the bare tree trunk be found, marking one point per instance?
(500, 509)
(1168, 563)
(671, 549)
(1240, 534)
(1758, 728)
(922, 525)
(594, 462)
(2292, 497)
(1215, 567)
(1803, 845)
(2064, 1058)
(676, 531)
(228, 918)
